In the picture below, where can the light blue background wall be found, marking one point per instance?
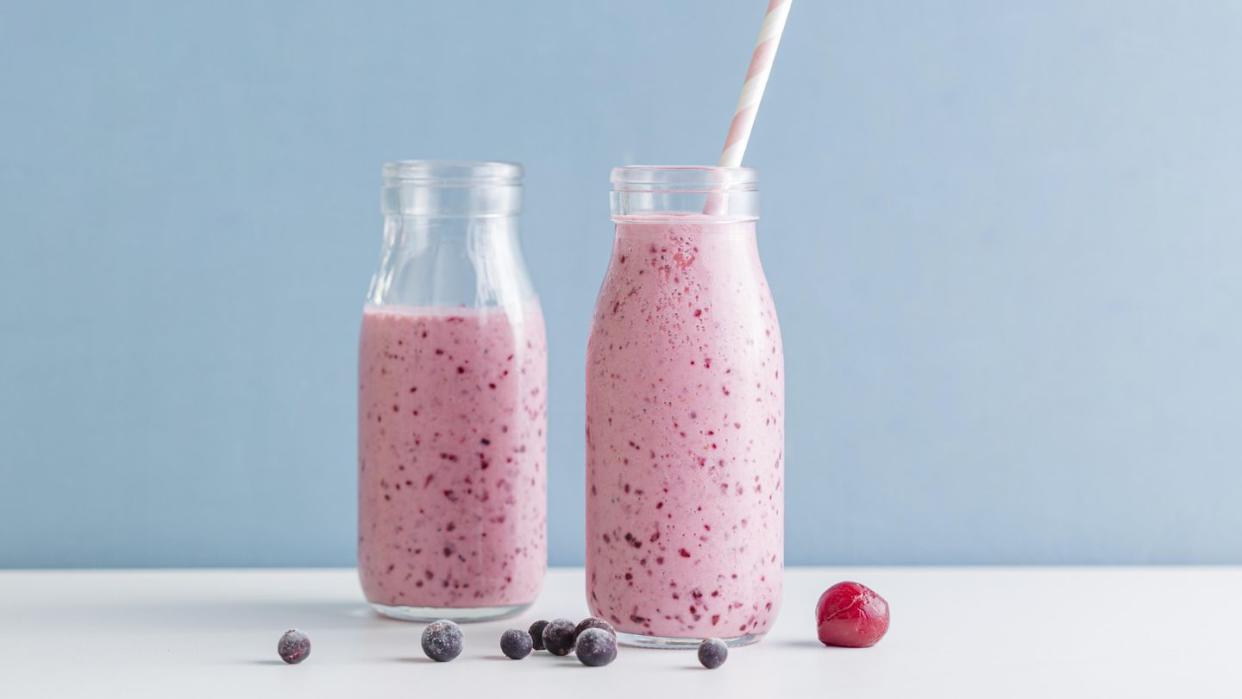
(1005, 240)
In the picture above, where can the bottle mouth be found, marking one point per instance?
(684, 178)
(452, 188)
(453, 173)
(704, 191)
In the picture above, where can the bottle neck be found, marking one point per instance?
(451, 236)
(438, 262)
(475, 233)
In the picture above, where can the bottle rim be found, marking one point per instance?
(453, 173)
(684, 179)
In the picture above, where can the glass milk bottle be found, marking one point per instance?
(685, 415)
(452, 382)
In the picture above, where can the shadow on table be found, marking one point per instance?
(798, 643)
(234, 616)
(417, 660)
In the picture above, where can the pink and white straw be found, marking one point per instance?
(756, 81)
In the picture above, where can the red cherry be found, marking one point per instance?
(852, 615)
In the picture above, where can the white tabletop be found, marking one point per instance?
(964, 632)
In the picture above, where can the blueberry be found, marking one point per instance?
(536, 634)
(293, 647)
(442, 640)
(596, 647)
(712, 653)
(558, 636)
(593, 623)
(515, 643)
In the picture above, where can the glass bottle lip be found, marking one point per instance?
(684, 178)
(706, 193)
(453, 173)
(451, 188)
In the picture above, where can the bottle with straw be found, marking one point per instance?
(685, 402)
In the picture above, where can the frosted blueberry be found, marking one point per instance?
(596, 647)
(293, 646)
(713, 652)
(558, 636)
(515, 643)
(536, 634)
(593, 623)
(442, 640)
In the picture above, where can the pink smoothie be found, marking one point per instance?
(685, 433)
(451, 457)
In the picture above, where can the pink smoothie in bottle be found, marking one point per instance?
(685, 433)
(451, 457)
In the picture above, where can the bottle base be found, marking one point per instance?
(676, 643)
(458, 614)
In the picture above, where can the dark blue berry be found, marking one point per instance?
(596, 647)
(442, 640)
(593, 623)
(516, 643)
(713, 652)
(536, 634)
(558, 636)
(293, 647)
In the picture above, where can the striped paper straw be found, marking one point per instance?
(756, 80)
